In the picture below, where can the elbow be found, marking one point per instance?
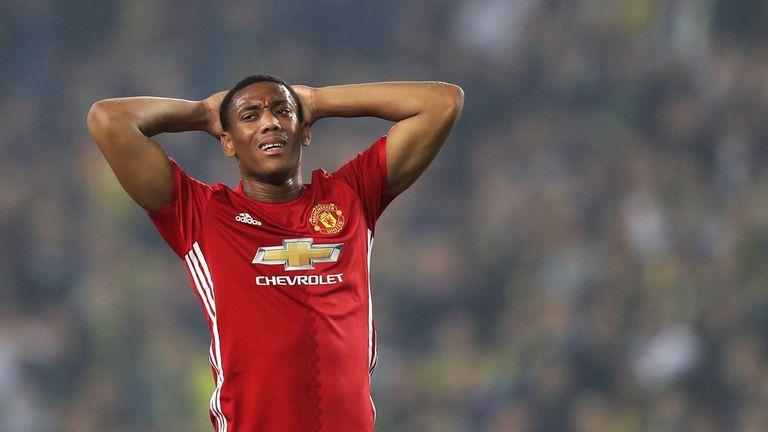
(451, 100)
(104, 116)
(453, 92)
(99, 117)
(457, 99)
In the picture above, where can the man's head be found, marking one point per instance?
(263, 126)
(226, 103)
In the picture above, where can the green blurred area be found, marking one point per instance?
(588, 252)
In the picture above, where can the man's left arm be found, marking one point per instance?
(424, 112)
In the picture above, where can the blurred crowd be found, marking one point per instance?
(588, 253)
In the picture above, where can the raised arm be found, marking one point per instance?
(425, 113)
(122, 129)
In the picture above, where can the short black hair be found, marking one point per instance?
(226, 103)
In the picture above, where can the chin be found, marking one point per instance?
(272, 173)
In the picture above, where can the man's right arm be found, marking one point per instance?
(122, 129)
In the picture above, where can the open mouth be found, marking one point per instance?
(271, 146)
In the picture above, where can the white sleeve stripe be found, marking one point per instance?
(370, 302)
(204, 264)
(202, 295)
(204, 285)
(372, 356)
(204, 298)
(196, 264)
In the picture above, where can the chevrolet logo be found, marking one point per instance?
(298, 254)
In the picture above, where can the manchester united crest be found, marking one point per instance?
(327, 218)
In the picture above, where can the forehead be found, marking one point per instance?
(262, 93)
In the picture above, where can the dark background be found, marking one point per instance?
(588, 252)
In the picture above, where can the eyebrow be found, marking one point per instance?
(258, 106)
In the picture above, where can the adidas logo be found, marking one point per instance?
(246, 218)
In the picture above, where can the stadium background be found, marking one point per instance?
(588, 253)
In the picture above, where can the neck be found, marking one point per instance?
(273, 193)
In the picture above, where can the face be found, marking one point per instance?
(265, 133)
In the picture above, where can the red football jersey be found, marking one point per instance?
(286, 292)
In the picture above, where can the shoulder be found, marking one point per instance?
(220, 187)
(321, 174)
(321, 177)
(325, 181)
(183, 174)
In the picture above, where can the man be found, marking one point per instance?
(281, 268)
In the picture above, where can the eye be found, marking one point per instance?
(247, 117)
(284, 111)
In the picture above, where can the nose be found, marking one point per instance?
(269, 122)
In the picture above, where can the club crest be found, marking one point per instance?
(327, 218)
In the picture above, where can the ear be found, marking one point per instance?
(306, 135)
(226, 144)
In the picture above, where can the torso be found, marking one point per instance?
(293, 335)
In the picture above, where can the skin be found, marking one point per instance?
(424, 114)
(265, 113)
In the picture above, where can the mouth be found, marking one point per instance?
(272, 145)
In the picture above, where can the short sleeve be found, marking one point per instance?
(179, 221)
(367, 175)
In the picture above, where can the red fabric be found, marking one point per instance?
(288, 353)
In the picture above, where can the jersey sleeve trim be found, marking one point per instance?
(179, 221)
(381, 147)
(366, 174)
(175, 171)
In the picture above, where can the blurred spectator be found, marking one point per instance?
(588, 253)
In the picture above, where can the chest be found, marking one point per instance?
(314, 229)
